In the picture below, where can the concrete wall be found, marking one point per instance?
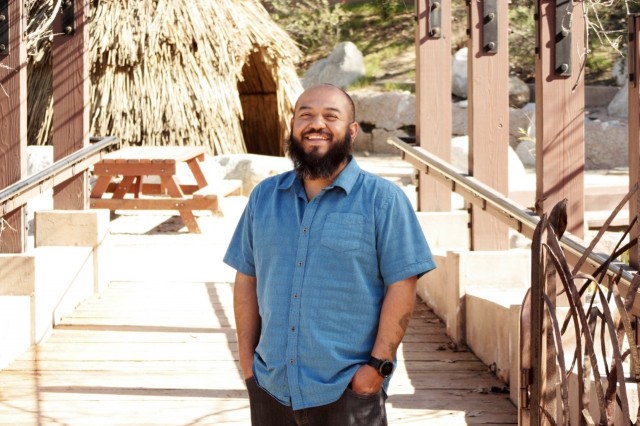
(38, 288)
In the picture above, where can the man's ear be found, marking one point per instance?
(353, 129)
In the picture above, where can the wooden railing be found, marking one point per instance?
(506, 211)
(16, 195)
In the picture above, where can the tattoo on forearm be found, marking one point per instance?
(403, 323)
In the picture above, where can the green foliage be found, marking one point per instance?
(388, 8)
(314, 24)
(522, 40)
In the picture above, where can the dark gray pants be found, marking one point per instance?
(351, 409)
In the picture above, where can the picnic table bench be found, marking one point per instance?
(121, 172)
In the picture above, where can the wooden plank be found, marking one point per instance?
(433, 102)
(180, 204)
(71, 84)
(488, 122)
(134, 168)
(13, 126)
(157, 154)
(560, 154)
(173, 189)
(160, 352)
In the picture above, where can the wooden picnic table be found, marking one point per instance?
(122, 172)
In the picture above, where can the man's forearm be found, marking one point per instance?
(396, 312)
(248, 322)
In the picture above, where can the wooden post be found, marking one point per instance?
(71, 85)
(433, 91)
(633, 65)
(560, 109)
(488, 83)
(13, 120)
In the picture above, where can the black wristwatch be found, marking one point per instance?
(383, 366)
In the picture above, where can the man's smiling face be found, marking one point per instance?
(322, 130)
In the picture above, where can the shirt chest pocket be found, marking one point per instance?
(343, 231)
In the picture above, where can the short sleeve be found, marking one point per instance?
(403, 250)
(239, 254)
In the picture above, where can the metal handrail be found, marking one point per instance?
(512, 214)
(18, 193)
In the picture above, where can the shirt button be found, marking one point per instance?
(291, 361)
(295, 296)
(293, 328)
(305, 230)
(300, 263)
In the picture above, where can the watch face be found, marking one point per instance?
(386, 368)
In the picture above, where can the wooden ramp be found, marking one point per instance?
(158, 347)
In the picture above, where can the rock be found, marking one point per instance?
(619, 71)
(521, 124)
(379, 140)
(385, 110)
(606, 145)
(519, 93)
(619, 106)
(459, 117)
(342, 67)
(363, 142)
(460, 159)
(526, 152)
(459, 73)
(251, 169)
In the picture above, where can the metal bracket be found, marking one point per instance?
(632, 43)
(435, 18)
(68, 17)
(562, 64)
(4, 27)
(490, 26)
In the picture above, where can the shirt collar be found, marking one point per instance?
(345, 180)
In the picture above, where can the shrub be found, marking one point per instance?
(313, 24)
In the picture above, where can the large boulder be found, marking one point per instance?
(606, 144)
(342, 67)
(251, 169)
(385, 110)
(522, 124)
(459, 117)
(619, 106)
(459, 73)
(460, 159)
(519, 92)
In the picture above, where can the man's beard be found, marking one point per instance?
(313, 166)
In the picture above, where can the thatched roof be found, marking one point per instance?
(216, 73)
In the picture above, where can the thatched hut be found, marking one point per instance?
(213, 73)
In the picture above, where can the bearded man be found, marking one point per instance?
(327, 259)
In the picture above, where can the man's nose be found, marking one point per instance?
(318, 122)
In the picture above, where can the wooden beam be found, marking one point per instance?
(633, 55)
(560, 112)
(71, 85)
(433, 102)
(488, 112)
(13, 125)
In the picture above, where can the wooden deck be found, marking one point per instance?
(158, 347)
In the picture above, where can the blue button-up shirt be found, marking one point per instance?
(322, 269)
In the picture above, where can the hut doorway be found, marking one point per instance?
(259, 99)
